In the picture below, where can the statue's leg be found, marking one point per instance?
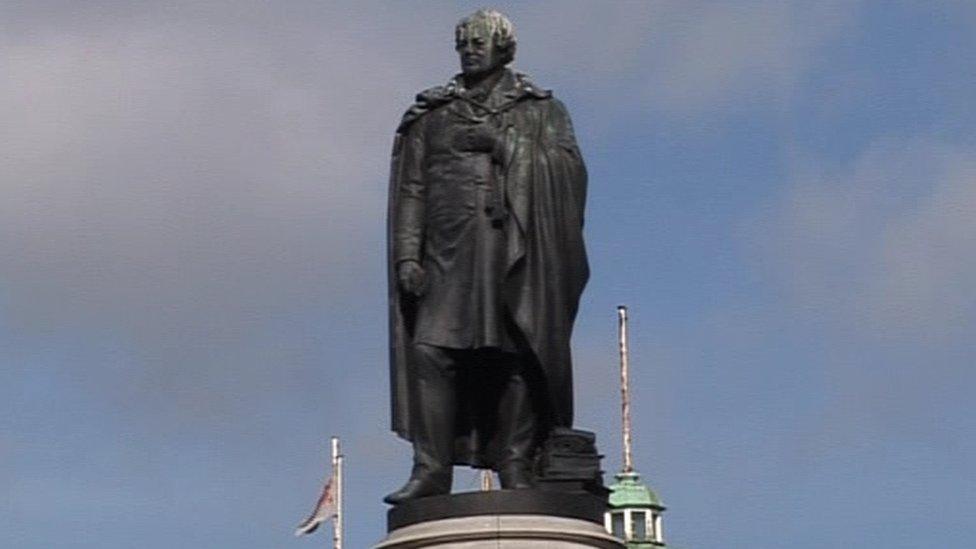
(432, 421)
(435, 413)
(516, 428)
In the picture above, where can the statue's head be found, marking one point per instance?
(485, 41)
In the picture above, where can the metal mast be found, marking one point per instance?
(337, 478)
(625, 389)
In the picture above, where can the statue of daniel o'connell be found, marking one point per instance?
(487, 265)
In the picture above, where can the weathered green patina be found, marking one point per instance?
(630, 492)
(631, 499)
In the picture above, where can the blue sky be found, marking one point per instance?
(192, 202)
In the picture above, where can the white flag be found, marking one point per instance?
(324, 510)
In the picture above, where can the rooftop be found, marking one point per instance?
(629, 491)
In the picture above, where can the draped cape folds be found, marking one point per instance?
(544, 181)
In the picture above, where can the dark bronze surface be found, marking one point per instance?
(486, 267)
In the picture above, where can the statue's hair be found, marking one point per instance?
(501, 29)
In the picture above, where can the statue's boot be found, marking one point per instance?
(516, 434)
(432, 424)
(421, 484)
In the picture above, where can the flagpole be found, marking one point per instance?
(625, 390)
(337, 478)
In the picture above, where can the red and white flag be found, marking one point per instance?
(324, 510)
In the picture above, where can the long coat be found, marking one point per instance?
(543, 179)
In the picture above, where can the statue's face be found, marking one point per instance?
(477, 51)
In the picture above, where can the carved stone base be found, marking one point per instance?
(501, 519)
(502, 532)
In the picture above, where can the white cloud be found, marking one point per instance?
(883, 245)
(713, 55)
(681, 57)
(927, 258)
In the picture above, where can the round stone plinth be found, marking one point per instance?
(575, 505)
(502, 532)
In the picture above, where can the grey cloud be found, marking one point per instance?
(194, 190)
(242, 161)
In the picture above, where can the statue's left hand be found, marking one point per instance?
(412, 278)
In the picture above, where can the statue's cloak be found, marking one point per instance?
(544, 181)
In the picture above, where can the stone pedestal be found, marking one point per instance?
(502, 532)
(523, 519)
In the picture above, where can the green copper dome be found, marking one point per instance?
(629, 491)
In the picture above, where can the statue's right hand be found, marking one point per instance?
(412, 278)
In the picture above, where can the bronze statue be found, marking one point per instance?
(487, 264)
